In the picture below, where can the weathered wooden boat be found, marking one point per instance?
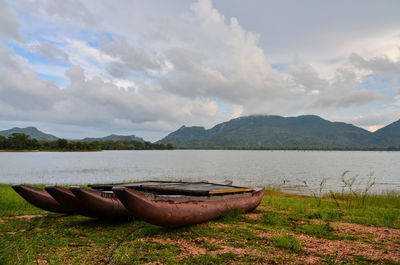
(40, 198)
(138, 185)
(181, 205)
(67, 199)
(100, 203)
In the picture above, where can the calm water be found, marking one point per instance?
(285, 168)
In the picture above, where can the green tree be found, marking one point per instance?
(3, 142)
(34, 144)
(18, 141)
(61, 144)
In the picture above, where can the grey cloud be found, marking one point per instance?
(68, 11)
(131, 58)
(338, 93)
(371, 119)
(51, 52)
(316, 29)
(93, 102)
(379, 65)
(76, 74)
(9, 24)
(21, 88)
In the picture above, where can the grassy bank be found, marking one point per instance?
(285, 228)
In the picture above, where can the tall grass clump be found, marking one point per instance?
(317, 195)
(350, 195)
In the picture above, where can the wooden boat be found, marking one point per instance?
(184, 209)
(100, 203)
(67, 199)
(105, 203)
(138, 185)
(40, 198)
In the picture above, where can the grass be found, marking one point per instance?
(288, 242)
(283, 229)
(324, 230)
(377, 210)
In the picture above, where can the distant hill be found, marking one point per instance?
(33, 132)
(265, 131)
(389, 135)
(115, 137)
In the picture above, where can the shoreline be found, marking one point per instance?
(35, 150)
(211, 149)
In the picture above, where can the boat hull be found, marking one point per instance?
(100, 203)
(175, 214)
(66, 198)
(40, 198)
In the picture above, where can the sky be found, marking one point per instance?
(77, 68)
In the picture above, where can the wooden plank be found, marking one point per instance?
(230, 191)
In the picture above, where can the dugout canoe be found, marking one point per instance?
(67, 199)
(100, 203)
(40, 198)
(183, 210)
(138, 185)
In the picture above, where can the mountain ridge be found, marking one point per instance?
(262, 132)
(277, 132)
(114, 137)
(33, 132)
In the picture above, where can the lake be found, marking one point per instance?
(287, 169)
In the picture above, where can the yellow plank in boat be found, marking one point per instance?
(230, 191)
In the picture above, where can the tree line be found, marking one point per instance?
(20, 141)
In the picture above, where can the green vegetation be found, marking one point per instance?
(308, 132)
(287, 241)
(19, 141)
(285, 228)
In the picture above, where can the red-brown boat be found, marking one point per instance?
(138, 185)
(40, 198)
(100, 203)
(181, 210)
(66, 198)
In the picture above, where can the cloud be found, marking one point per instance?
(220, 59)
(339, 92)
(51, 52)
(71, 12)
(156, 71)
(371, 120)
(131, 59)
(20, 89)
(381, 65)
(9, 24)
(92, 101)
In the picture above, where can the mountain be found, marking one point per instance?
(265, 131)
(114, 137)
(389, 135)
(31, 131)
